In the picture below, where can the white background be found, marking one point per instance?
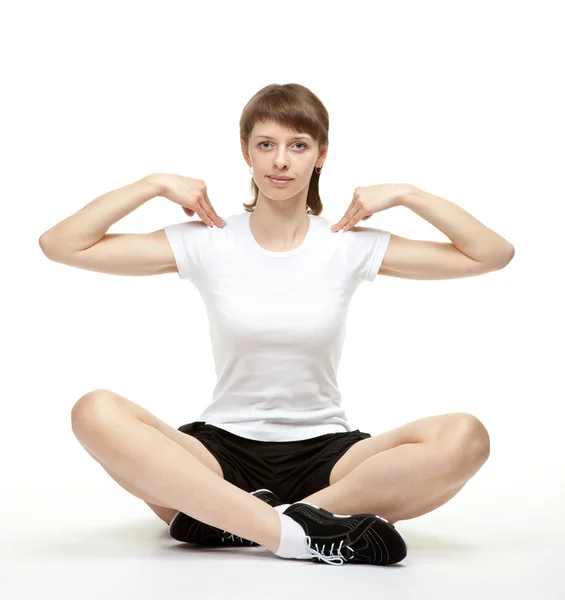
(463, 100)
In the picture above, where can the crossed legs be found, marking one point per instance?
(171, 471)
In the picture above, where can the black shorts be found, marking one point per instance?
(292, 470)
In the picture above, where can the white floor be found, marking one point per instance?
(89, 541)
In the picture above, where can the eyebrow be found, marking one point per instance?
(296, 137)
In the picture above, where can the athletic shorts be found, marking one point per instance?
(292, 470)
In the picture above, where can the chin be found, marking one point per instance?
(283, 193)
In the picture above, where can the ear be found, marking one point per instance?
(323, 153)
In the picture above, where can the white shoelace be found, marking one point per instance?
(330, 558)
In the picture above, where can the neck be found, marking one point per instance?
(279, 222)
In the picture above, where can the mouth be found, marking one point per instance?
(278, 181)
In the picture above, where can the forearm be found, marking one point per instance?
(466, 233)
(89, 225)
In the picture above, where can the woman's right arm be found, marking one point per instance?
(89, 225)
(81, 240)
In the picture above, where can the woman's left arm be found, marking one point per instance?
(466, 233)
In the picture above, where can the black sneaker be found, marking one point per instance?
(187, 529)
(337, 539)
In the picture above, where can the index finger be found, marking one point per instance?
(346, 217)
(219, 222)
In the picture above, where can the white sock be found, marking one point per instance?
(293, 538)
(281, 508)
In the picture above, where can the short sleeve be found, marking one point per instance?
(188, 243)
(370, 246)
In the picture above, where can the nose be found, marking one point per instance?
(280, 159)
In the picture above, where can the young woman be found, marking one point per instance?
(273, 459)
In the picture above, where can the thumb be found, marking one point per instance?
(188, 211)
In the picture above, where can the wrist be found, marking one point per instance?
(154, 181)
(406, 194)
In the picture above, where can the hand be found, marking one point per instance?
(191, 194)
(369, 200)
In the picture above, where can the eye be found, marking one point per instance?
(299, 143)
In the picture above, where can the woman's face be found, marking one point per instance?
(276, 150)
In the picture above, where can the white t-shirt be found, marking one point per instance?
(277, 321)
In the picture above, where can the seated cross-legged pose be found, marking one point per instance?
(272, 461)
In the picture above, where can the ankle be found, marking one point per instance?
(272, 538)
(293, 542)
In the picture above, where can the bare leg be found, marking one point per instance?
(169, 475)
(401, 483)
(165, 513)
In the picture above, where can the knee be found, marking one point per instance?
(90, 409)
(469, 442)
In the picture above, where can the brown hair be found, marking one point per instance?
(293, 106)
